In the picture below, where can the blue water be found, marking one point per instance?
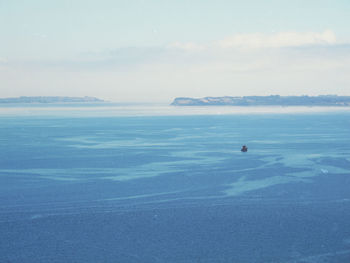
(175, 189)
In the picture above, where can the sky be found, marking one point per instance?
(156, 50)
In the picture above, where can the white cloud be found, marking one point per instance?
(260, 40)
(246, 64)
(3, 60)
(3, 63)
(277, 40)
(189, 46)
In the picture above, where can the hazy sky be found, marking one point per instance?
(156, 50)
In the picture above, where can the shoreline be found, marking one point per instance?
(117, 110)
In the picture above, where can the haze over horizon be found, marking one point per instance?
(140, 51)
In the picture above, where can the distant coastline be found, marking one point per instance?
(273, 100)
(51, 99)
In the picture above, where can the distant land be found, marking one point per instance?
(273, 100)
(50, 99)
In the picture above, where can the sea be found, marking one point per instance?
(149, 184)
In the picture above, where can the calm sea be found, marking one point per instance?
(96, 186)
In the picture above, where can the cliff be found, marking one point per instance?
(273, 100)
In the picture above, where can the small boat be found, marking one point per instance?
(244, 148)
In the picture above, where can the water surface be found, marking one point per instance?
(175, 188)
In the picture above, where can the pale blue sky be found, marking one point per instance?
(161, 49)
